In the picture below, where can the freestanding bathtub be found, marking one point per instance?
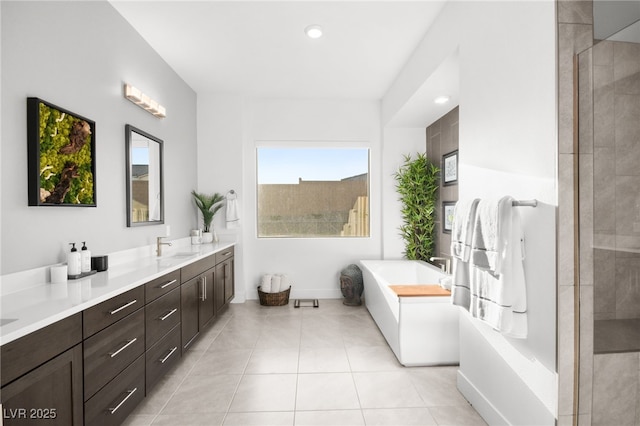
(420, 330)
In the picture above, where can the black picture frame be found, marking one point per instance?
(447, 216)
(61, 156)
(450, 168)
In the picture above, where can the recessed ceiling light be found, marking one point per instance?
(313, 31)
(441, 99)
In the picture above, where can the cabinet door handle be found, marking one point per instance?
(126, 345)
(204, 289)
(125, 306)
(225, 271)
(167, 284)
(163, 360)
(173, 311)
(130, 392)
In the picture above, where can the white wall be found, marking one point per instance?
(397, 142)
(508, 145)
(313, 264)
(77, 55)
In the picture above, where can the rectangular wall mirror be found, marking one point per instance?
(145, 200)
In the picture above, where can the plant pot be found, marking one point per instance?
(207, 237)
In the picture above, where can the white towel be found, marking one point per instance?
(490, 233)
(285, 282)
(464, 216)
(265, 284)
(232, 215)
(498, 290)
(276, 280)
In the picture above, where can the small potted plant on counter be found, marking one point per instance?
(209, 204)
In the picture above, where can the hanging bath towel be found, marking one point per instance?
(464, 216)
(498, 290)
(233, 217)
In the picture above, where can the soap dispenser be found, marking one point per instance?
(73, 261)
(85, 258)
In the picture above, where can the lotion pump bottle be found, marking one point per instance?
(73, 260)
(85, 258)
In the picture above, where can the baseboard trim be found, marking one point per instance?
(482, 405)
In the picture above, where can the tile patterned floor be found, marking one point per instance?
(308, 366)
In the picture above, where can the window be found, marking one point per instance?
(313, 192)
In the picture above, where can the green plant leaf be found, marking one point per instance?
(417, 184)
(208, 204)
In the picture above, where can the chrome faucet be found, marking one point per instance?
(160, 243)
(445, 266)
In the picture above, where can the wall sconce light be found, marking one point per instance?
(143, 101)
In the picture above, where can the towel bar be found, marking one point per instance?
(525, 203)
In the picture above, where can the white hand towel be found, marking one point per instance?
(464, 215)
(265, 284)
(461, 238)
(232, 215)
(275, 283)
(491, 234)
(285, 282)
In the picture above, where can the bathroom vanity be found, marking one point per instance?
(87, 352)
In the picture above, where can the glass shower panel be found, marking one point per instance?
(612, 145)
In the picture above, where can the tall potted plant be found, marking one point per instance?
(418, 183)
(208, 204)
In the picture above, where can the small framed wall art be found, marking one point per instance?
(61, 156)
(450, 168)
(447, 216)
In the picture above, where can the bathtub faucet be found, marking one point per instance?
(445, 263)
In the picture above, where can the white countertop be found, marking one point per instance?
(42, 303)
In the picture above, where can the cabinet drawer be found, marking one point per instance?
(106, 313)
(116, 401)
(223, 255)
(161, 316)
(196, 268)
(163, 285)
(28, 352)
(49, 395)
(163, 356)
(110, 351)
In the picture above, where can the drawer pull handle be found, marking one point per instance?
(163, 360)
(167, 284)
(226, 253)
(125, 306)
(173, 311)
(129, 393)
(126, 345)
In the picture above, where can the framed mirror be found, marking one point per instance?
(145, 192)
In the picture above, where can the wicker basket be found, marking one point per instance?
(274, 299)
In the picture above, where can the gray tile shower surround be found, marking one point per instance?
(285, 366)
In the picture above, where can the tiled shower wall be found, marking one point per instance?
(616, 155)
(442, 138)
(613, 69)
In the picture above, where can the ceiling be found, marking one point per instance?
(259, 48)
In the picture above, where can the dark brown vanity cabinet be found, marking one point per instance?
(224, 286)
(113, 349)
(95, 367)
(207, 286)
(197, 292)
(162, 322)
(42, 376)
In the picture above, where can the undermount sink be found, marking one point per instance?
(175, 258)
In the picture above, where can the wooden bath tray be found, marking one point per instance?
(419, 290)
